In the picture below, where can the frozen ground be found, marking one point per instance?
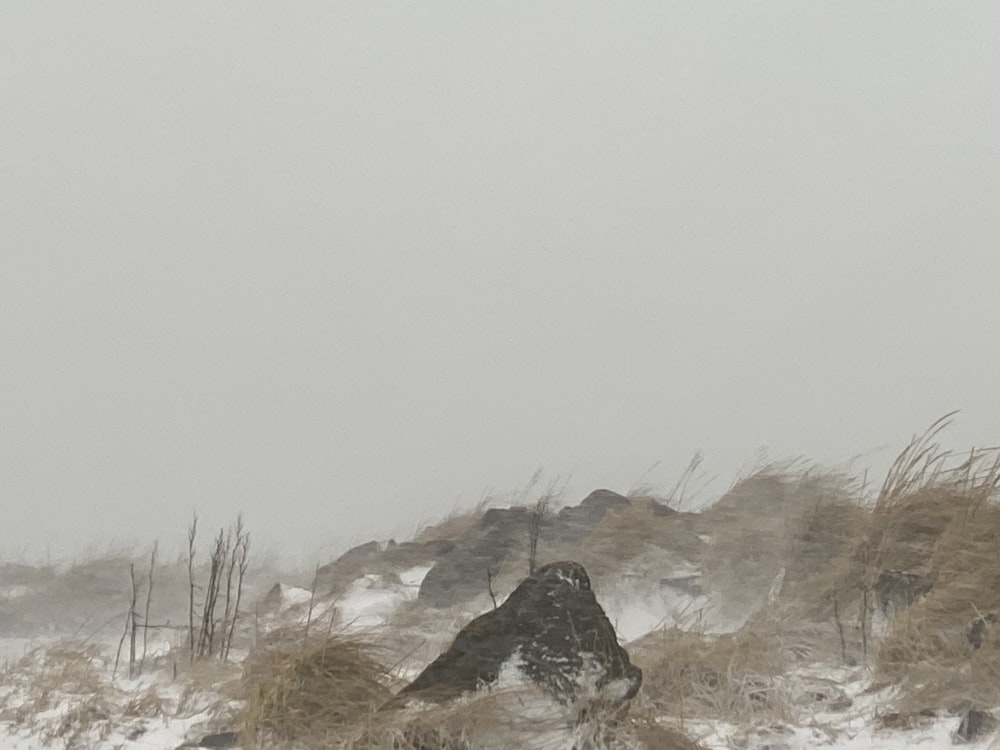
(60, 693)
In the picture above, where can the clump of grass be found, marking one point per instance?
(813, 591)
(648, 732)
(312, 692)
(148, 703)
(732, 677)
(521, 716)
(456, 525)
(925, 490)
(60, 693)
(936, 516)
(515, 716)
(786, 520)
(332, 692)
(823, 532)
(928, 648)
(631, 529)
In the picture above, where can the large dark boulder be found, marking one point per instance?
(575, 522)
(599, 502)
(462, 573)
(553, 631)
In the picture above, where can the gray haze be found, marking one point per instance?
(345, 266)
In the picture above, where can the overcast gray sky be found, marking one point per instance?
(343, 266)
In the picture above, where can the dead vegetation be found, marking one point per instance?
(938, 520)
(787, 520)
(313, 691)
(64, 694)
(912, 582)
(734, 677)
(334, 691)
(456, 525)
(907, 585)
(627, 531)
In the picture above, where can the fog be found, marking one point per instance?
(345, 267)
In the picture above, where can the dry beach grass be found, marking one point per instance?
(809, 573)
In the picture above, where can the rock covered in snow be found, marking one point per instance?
(552, 631)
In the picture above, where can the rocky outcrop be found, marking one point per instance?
(461, 567)
(895, 590)
(552, 632)
(371, 557)
(576, 521)
(461, 574)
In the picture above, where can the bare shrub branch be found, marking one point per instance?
(243, 547)
(149, 599)
(192, 533)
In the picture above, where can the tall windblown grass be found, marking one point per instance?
(937, 519)
(734, 677)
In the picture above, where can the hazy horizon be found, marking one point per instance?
(345, 267)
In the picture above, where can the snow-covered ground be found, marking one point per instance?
(82, 703)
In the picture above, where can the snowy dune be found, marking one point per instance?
(745, 622)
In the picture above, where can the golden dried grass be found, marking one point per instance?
(787, 521)
(312, 692)
(927, 648)
(624, 532)
(650, 733)
(510, 717)
(925, 490)
(456, 525)
(733, 677)
(937, 514)
(524, 717)
(623, 535)
(60, 692)
(333, 693)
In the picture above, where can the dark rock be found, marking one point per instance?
(895, 590)
(555, 632)
(219, 740)
(460, 568)
(506, 522)
(348, 566)
(462, 573)
(575, 522)
(438, 547)
(366, 550)
(600, 502)
(973, 723)
(272, 600)
(659, 509)
(366, 558)
(686, 584)
(979, 629)
(361, 554)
